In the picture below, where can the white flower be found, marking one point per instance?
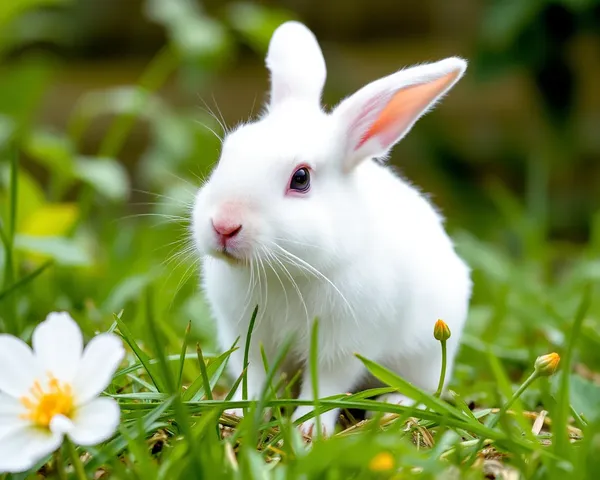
(52, 391)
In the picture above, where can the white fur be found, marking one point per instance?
(373, 261)
(296, 63)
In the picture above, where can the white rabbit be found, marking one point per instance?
(298, 218)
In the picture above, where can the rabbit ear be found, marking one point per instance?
(376, 117)
(296, 64)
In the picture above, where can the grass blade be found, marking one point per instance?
(246, 354)
(142, 357)
(25, 280)
(116, 446)
(215, 369)
(204, 373)
(314, 372)
(561, 439)
(181, 413)
(235, 386)
(408, 389)
(182, 355)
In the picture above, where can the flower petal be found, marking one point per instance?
(11, 410)
(95, 422)
(19, 367)
(57, 343)
(26, 446)
(100, 359)
(10, 406)
(61, 424)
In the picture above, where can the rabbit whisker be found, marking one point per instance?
(224, 123)
(293, 282)
(170, 218)
(189, 204)
(295, 242)
(317, 273)
(269, 258)
(209, 110)
(184, 278)
(217, 136)
(251, 285)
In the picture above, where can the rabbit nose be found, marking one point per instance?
(226, 229)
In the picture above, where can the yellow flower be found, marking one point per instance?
(382, 462)
(441, 331)
(546, 365)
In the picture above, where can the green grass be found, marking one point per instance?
(172, 388)
(118, 258)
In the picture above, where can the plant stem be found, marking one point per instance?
(494, 419)
(579, 421)
(59, 466)
(443, 372)
(13, 323)
(534, 375)
(77, 465)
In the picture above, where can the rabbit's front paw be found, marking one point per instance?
(236, 412)
(392, 398)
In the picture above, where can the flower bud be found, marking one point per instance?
(546, 365)
(441, 331)
(382, 462)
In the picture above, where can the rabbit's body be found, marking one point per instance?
(360, 249)
(382, 304)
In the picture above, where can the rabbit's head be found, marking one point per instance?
(287, 187)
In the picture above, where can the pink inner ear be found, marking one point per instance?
(404, 108)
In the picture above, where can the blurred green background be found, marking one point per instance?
(107, 106)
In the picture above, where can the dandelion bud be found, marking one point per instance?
(546, 365)
(382, 462)
(441, 331)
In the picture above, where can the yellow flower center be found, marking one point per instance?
(44, 403)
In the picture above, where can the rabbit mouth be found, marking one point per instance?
(229, 255)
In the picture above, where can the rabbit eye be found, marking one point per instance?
(300, 180)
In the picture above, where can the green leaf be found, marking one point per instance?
(30, 196)
(7, 128)
(128, 289)
(64, 251)
(50, 220)
(505, 20)
(30, 75)
(13, 8)
(52, 150)
(585, 396)
(257, 23)
(193, 33)
(106, 175)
